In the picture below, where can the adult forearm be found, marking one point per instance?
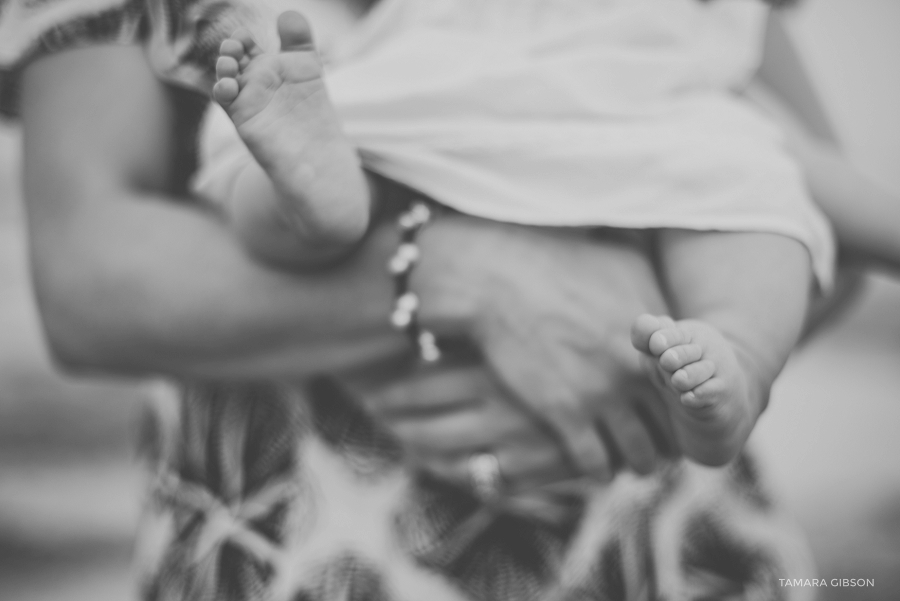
(147, 285)
(782, 71)
(130, 278)
(864, 215)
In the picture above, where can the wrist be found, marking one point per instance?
(449, 279)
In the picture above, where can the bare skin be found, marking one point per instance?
(320, 203)
(710, 390)
(743, 299)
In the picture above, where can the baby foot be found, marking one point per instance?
(280, 106)
(699, 372)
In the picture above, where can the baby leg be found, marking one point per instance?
(310, 179)
(741, 300)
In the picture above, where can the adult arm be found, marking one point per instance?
(131, 279)
(865, 216)
(782, 72)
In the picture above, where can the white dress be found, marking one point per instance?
(617, 113)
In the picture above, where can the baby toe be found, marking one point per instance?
(233, 48)
(641, 330)
(666, 322)
(677, 357)
(692, 375)
(294, 31)
(226, 66)
(664, 339)
(704, 395)
(225, 91)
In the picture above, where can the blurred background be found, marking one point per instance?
(830, 441)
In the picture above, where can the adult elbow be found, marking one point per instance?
(67, 353)
(71, 306)
(69, 333)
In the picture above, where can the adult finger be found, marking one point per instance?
(430, 390)
(522, 467)
(547, 396)
(526, 467)
(462, 431)
(579, 436)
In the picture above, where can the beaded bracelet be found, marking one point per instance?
(406, 302)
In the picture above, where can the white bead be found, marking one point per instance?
(430, 354)
(401, 319)
(407, 221)
(428, 348)
(398, 265)
(421, 213)
(409, 302)
(408, 251)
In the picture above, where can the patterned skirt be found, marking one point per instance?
(263, 491)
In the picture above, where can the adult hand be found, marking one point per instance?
(551, 312)
(445, 413)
